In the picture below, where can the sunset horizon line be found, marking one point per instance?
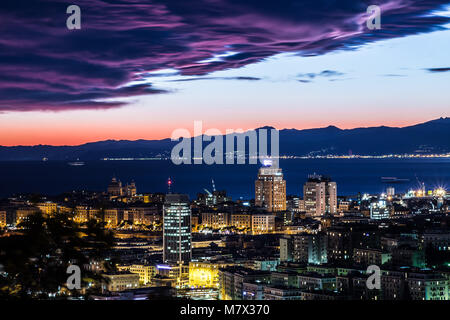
(412, 123)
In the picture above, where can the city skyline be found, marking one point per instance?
(173, 152)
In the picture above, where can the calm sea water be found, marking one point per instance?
(352, 175)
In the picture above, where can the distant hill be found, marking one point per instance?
(425, 138)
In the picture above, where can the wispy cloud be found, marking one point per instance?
(324, 73)
(216, 78)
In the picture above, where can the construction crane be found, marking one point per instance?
(422, 185)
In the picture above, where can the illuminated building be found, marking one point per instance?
(438, 240)
(367, 257)
(81, 214)
(266, 264)
(23, 213)
(354, 285)
(344, 206)
(270, 189)
(263, 223)
(317, 248)
(286, 249)
(316, 281)
(194, 223)
(135, 215)
(339, 244)
(212, 198)
(112, 217)
(398, 285)
(424, 286)
(301, 205)
(215, 220)
(380, 210)
(304, 248)
(232, 279)
(2, 219)
(281, 293)
(284, 279)
(48, 207)
(320, 196)
(253, 290)
(115, 187)
(152, 217)
(145, 272)
(177, 229)
(204, 274)
(173, 275)
(439, 192)
(84, 214)
(390, 191)
(121, 281)
(241, 220)
(130, 189)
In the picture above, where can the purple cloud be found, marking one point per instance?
(45, 66)
(438, 69)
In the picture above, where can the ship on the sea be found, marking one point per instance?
(393, 180)
(76, 163)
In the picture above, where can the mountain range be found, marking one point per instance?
(432, 137)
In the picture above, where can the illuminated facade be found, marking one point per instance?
(135, 215)
(112, 217)
(173, 275)
(241, 220)
(320, 196)
(146, 273)
(177, 229)
(270, 189)
(263, 223)
(83, 214)
(204, 274)
(23, 213)
(48, 207)
(304, 248)
(115, 187)
(379, 210)
(215, 220)
(232, 279)
(2, 219)
(428, 287)
(121, 281)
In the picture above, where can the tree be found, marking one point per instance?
(36, 258)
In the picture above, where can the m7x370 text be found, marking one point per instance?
(247, 309)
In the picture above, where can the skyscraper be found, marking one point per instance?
(320, 196)
(177, 229)
(270, 189)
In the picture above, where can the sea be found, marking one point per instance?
(352, 176)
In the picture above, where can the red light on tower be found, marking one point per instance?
(169, 183)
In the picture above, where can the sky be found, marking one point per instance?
(141, 69)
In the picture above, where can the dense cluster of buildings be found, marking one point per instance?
(274, 247)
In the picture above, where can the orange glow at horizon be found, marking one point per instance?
(27, 133)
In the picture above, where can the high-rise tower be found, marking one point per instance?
(177, 238)
(320, 196)
(270, 189)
